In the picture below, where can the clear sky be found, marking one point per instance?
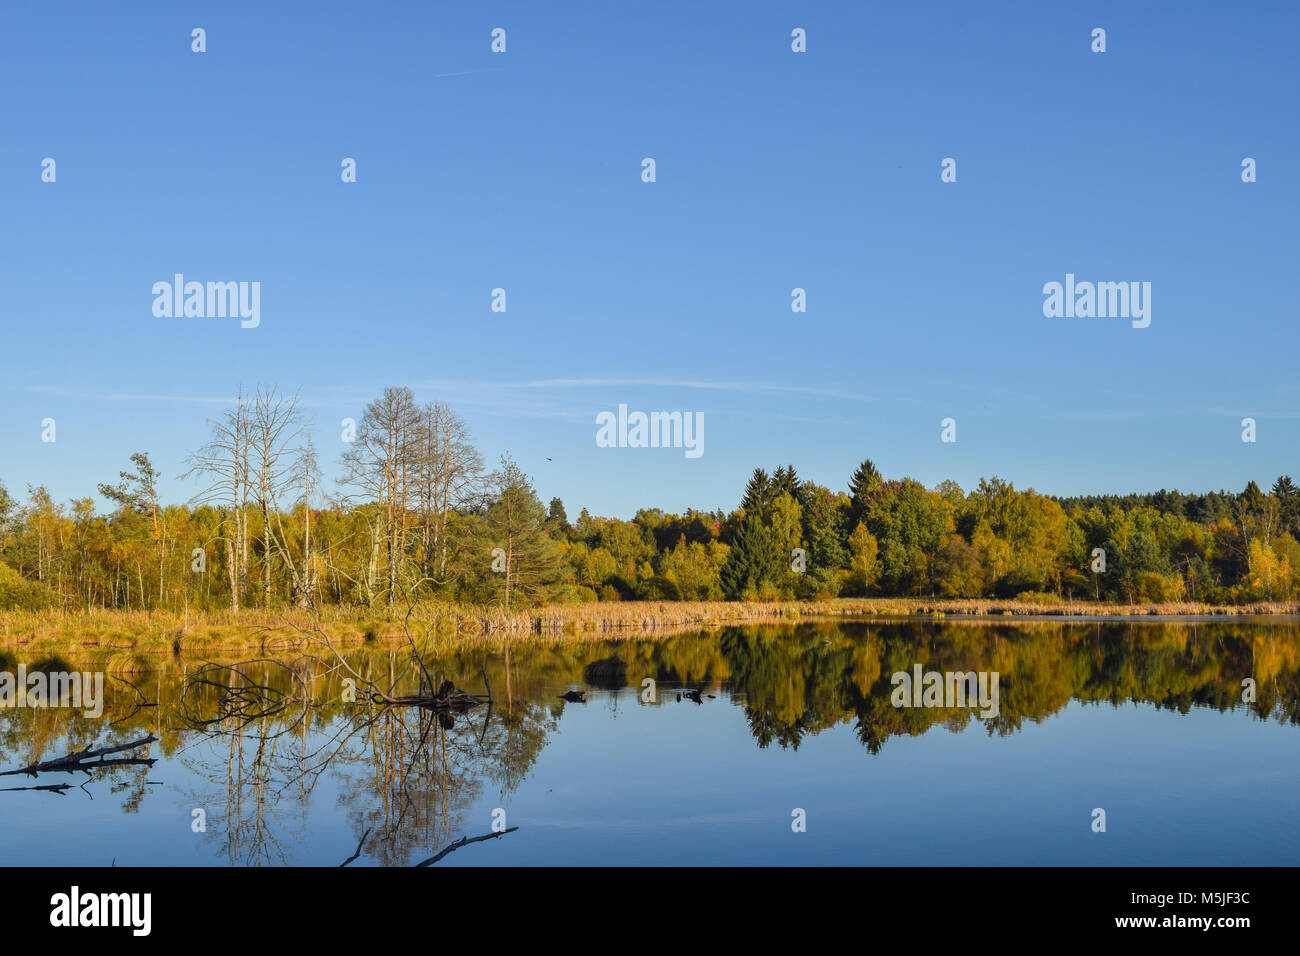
(523, 170)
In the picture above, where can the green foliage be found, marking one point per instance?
(753, 561)
(862, 485)
(910, 524)
(423, 526)
(19, 594)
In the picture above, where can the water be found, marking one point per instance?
(1144, 720)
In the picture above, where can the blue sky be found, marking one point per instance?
(775, 170)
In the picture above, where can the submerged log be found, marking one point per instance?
(84, 761)
(447, 697)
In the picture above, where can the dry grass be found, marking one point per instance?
(445, 624)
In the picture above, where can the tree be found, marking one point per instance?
(138, 491)
(823, 527)
(864, 562)
(382, 463)
(225, 461)
(957, 569)
(449, 477)
(694, 568)
(1288, 499)
(515, 522)
(785, 481)
(753, 561)
(596, 568)
(276, 440)
(9, 517)
(758, 493)
(863, 483)
(556, 519)
(910, 523)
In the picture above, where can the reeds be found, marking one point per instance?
(441, 624)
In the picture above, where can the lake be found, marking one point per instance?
(800, 749)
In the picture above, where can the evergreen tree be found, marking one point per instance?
(752, 562)
(515, 526)
(1288, 499)
(758, 493)
(864, 481)
(557, 520)
(785, 480)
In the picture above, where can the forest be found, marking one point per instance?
(417, 516)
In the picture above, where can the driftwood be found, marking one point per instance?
(447, 697)
(463, 841)
(78, 760)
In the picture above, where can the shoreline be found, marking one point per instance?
(451, 625)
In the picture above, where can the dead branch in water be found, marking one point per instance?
(463, 841)
(447, 697)
(77, 761)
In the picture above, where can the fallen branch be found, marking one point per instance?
(463, 841)
(77, 761)
(447, 697)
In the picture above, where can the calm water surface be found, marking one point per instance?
(1144, 720)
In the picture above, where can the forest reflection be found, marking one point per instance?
(257, 738)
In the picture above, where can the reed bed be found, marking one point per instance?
(450, 624)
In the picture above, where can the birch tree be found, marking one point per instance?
(224, 461)
(449, 476)
(138, 491)
(381, 464)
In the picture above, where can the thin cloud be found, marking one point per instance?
(468, 72)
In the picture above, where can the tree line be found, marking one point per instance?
(419, 516)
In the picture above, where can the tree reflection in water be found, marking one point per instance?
(260, 736)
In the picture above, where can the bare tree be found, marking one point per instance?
(276, 437)
(224, 460)
(381, 466)
(449, 475)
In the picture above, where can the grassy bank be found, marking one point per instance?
(162, 632)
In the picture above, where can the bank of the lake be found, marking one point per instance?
(153, 632)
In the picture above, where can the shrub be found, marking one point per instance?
(1040, 598)
(1158, 588)
(19, 594)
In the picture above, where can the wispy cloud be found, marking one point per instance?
(116, 395)
(723, 386)
(468, 72)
